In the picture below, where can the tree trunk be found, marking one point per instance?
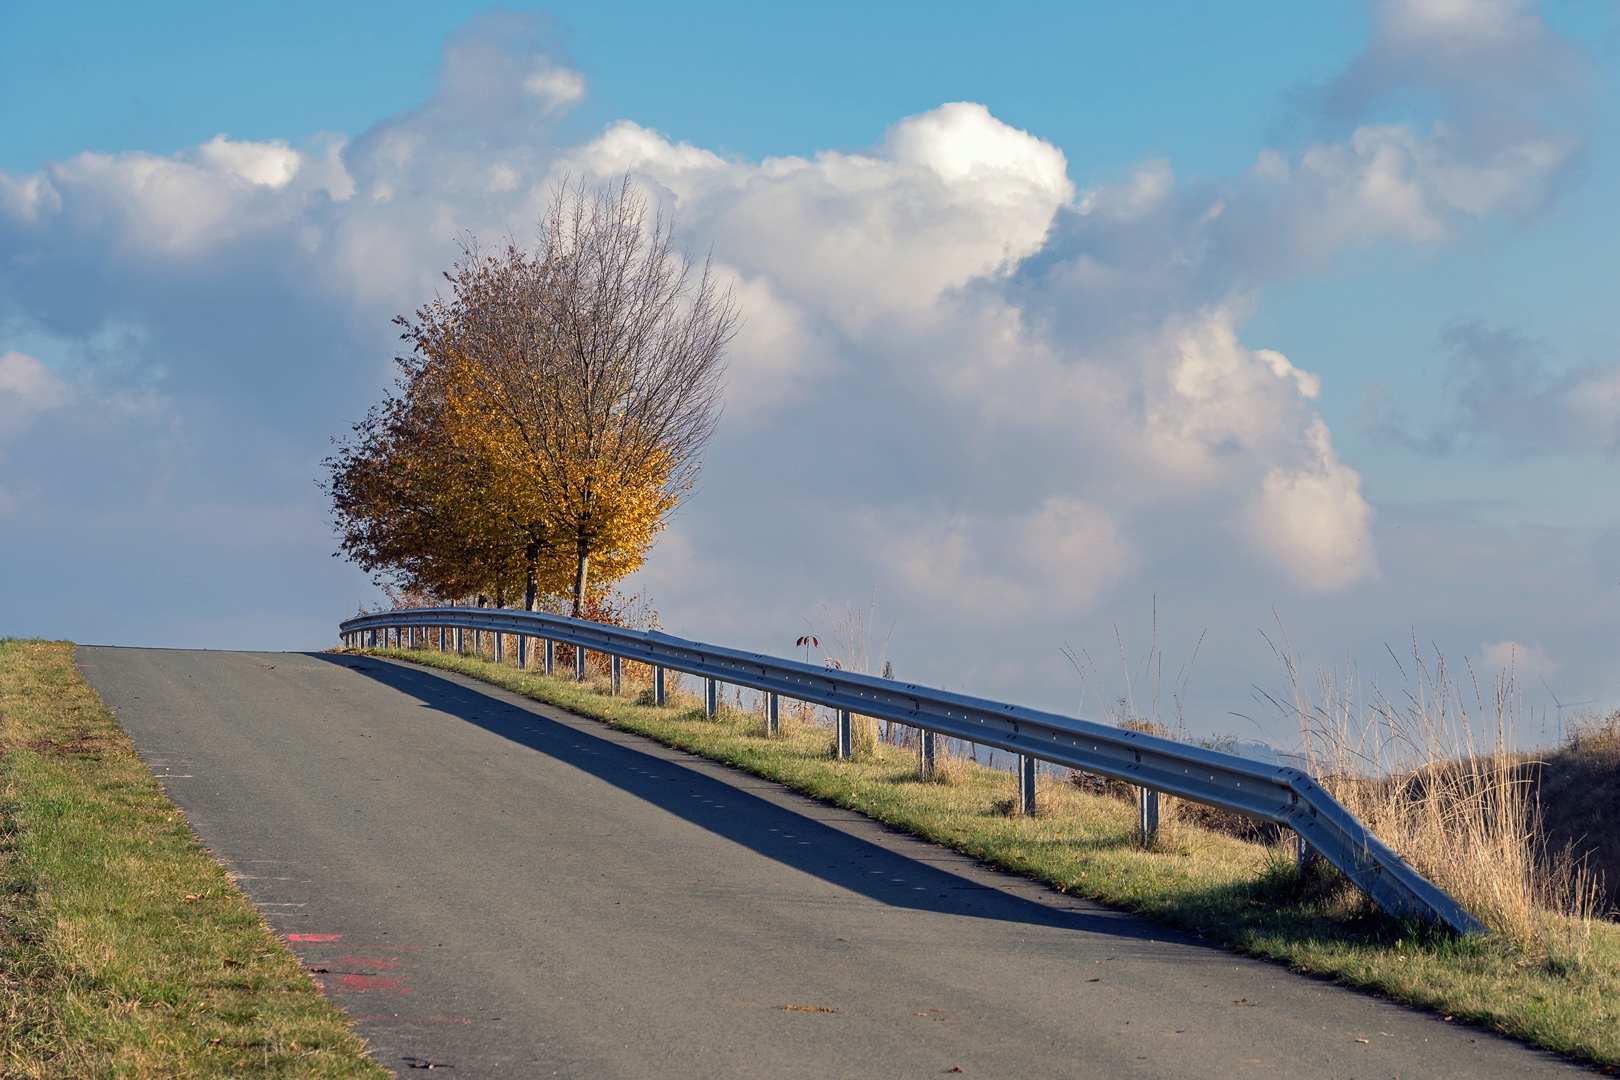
(531, 583)
(581, 576)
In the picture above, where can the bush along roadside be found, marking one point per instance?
(125, 951)
(1243, 895)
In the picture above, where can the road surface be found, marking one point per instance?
(497, 886)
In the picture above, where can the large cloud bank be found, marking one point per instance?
(1007, 401)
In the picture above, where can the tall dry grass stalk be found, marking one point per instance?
(848, 637)
(1435, 773)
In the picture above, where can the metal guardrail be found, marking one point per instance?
(1276, 793)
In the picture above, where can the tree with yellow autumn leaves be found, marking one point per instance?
(549, 417)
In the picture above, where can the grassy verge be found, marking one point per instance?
(1241, 895)
(125, 951)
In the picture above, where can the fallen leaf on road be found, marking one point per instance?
(806, 1008)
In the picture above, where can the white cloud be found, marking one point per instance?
(1076, 551)
(269, 164)
(1524, 662)
(1314, 521)
(949, 196)
(777, 352)
(27, 387)
(27, 198)
(1062, 555)
(558, 87)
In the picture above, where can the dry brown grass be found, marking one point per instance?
(1434, 773)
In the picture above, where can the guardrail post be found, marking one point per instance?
(500, 647)
(374, 639)
(1026, 785)
(1307, 856)
(523, 651)
(579, 663)
(773, 715)
(711, 698)
(658, 685)
(551, 657)
(1147, 812)
(846, 741)
(613, 668)
(478, 644)
(461, 641)
(927, 753)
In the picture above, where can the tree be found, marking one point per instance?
(596, 385)
(412, 508)
(552, 411)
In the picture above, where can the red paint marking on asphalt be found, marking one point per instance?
(385, 948)
(373, 963)
(315, 938)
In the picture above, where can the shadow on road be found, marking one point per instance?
(775, 832)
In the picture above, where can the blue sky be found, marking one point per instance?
(1247, 314)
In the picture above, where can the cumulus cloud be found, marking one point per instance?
(269, 164)
(1314, 521)
(949, 196)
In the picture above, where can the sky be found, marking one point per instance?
(1089, 350)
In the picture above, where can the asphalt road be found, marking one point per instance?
(499, 887)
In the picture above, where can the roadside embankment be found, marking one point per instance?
(125, 950)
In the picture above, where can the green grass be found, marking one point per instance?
(1243, 896)
(125, 951)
